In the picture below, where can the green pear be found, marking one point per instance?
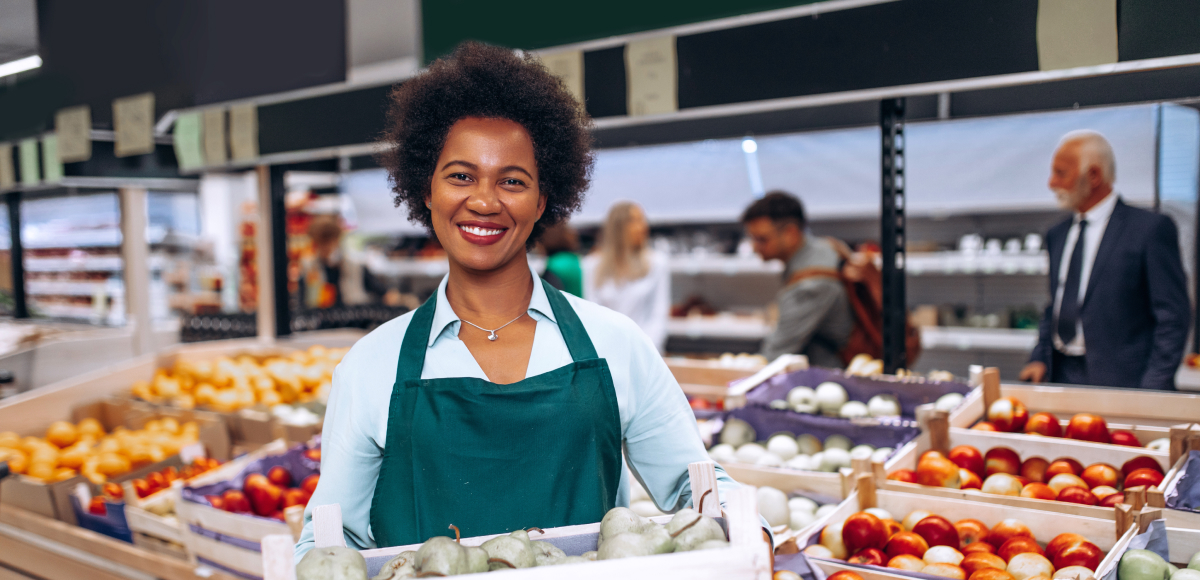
(659, 539)
(566, 560)
(624, 545)
(1142, 565)
(620, 520)
(333, 563)
(402, 566)
(1171, 569)
(590, 556)
(704, 530)
(1194, 563)
(544, 552)
(477, 560)
(1186, 574)
(441, 555)
(713, 545)
(514, 549)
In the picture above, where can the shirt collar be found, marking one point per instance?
(1100, 212)
(445, 321)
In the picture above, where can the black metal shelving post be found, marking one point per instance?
(892, 237)
(17, 255)
(279, 261)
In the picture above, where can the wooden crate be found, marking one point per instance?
(936, 435)
(1184, 439)
(1182, 543)
(1105, 533)
(748, 557)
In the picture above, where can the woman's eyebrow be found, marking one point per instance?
(516, 168)
(466, 164)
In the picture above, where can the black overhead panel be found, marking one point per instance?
(1153, 85)
(895, 43)
(332, 120)
(1156, 28)
(104, 163)
(604, 82)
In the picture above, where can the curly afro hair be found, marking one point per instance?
(479, 80)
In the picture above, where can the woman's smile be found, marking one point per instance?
(481, 233)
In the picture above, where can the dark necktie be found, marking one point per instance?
(1068, 310)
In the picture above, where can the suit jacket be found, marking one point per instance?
(1135, 312)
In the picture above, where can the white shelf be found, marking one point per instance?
(963, 338)
(719, 326)
(948, 263)
(68, 264)
(723, 264)
(71, 288)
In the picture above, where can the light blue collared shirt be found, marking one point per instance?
(658, 428)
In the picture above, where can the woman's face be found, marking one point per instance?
(637, 230)
(484, 197)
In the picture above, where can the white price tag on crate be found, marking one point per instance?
(192, 452)
(84, 493)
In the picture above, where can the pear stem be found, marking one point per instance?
(539, 530)
(700, 505)
(501, 561)
(694, 522)
(457, 534)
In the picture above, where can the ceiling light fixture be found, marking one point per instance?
(20, 65)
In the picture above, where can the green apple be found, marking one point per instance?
(1142, 565)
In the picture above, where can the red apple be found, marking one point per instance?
(1123, 437)
(1043, 424)
(1064, 480)
(863, 530)
(980, 560)
(991, 574)
(910, 521)
(1037, 490)
(1103, 491)
(170, 474)
(1002, 484)
(1084, 554)
(979, 547)
(156, 481)
(1140, 462)
(1001, 460)
(142, 488)
(938, 471)
(253, 481)
(265, 498)
(1145, 476)
(1061, 542)
(969, 479)
(278, 516)
(113, 491)
(906, 562)
(945, 571)
(906, 543)
(294, 496)
(1019, 545)
(869, 556)
(96, 506)
(313, 454)
(1028, 565)
(1063, 465)
(937, 531)
(891, 528)
(310, 483)
(216, 501)
(1034, 469)
(1113, 500)
(844, 575)
(970, 532)
(1088, 427)
(1099, 474)
(905, 475)
(236, 501)
(280, 476)
(968, 458)
(984, 426)
(1007, 530)
(1008, 414)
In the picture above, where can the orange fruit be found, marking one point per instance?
(62, 434)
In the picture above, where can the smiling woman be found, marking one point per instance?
(500, 403)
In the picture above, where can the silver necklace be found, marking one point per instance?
(492, 333)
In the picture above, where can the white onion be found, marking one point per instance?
(801, 396)
(882, 454)
(853, 410)
(783, 445)
(830, 397)
(861, 452)
(809, 444)
(801, 519)
(749, 453)
(835, 459)
(826, 509)
(772, 505)
(737, 433)
(800, 462)
(769, 459)
(723, 453)
(948, 402)
(883, 406)
(801, 503)
(1163, 444)
(838, 441)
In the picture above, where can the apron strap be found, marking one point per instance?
(416, 342)
(577, 339)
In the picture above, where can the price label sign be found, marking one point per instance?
(652, 76)
(73, 126)
(243, 131)
(133, 124)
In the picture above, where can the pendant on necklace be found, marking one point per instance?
(492, 337)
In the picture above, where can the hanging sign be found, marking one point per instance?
(31, 172)
(243, 132)
(189, 146)
(1074, 33)
(215, 148)
(74, 128)
(652, 76)
(568, 66)
(133, 123)
(52, 165)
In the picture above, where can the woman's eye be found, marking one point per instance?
(513, 181)
(460, 176)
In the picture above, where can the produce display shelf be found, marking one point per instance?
(1136, 407)
(1181, 543)
(718, 326)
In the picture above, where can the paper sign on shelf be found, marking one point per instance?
(7, 175)
(215, 150)
(31, 172)
(243, 131)
(189, 146)
(191, 452)
(52, 165)
(133, 124)
(73, 126)
(652, 76)
(1073, 33)
(568, 66)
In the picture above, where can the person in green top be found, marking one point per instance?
(563, 269)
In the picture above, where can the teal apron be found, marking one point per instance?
(489, 458)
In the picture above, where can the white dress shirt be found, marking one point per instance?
(646, 301)
(1097, 219)
(658, 430)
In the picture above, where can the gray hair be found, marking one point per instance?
(1094, 149)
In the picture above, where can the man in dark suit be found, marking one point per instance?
(1119, 312)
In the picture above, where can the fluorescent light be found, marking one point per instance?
(20, 65)
(749, 145)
